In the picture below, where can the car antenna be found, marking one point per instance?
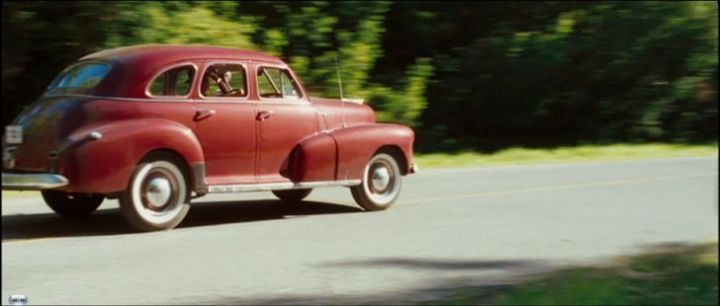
(342, 98)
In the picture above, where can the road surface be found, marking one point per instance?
(450, 228)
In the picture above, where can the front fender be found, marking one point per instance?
(357, 144)
(105, 165)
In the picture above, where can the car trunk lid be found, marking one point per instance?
(45, 124)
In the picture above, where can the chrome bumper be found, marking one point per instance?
(32, 181)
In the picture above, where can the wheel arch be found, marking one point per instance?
(396, 152)
(185, 165)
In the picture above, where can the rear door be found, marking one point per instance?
(225, 123)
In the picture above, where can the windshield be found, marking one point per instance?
(79, 78)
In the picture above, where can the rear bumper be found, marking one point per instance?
(33, 181)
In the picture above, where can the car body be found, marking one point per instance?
(211, 119)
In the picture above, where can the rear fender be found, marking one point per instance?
(105, 165)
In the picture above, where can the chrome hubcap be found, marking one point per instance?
(381, 183)
(381, 178)
(158, 192)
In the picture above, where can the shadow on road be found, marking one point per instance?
(553, 282)
(490, 276)
(428, 264)
(110, 222)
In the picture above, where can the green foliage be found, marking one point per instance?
(176, 23)
(673, 277)
(404, 106)
(596, 73)
(485, 75)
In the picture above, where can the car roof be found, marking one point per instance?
(159, 53)
(135, 67)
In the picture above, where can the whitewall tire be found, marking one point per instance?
(381, 183)
(158, 197)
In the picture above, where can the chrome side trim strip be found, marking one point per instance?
(39, 181)
(281, 186)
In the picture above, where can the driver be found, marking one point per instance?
(227, 78)
(223, 83)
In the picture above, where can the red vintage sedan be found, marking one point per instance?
(158, 125)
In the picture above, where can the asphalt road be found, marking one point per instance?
(450, 228)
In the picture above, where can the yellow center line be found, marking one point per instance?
(561, 187)
(19, 241)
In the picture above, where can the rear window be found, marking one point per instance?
(79, 78)
(174, 82)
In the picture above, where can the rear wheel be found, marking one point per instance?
(380, 185)
(158, 197)
(292, 196)
(72, 205)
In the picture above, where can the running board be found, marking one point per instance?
(280, 186)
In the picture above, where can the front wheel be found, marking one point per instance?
(380, 185)
(72, 205)
(157, 197)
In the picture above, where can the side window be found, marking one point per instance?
(224, 80)
(288, 85)
(79, 78)
(276, 83)
(174, 82)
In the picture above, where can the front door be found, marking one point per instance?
(284, 118)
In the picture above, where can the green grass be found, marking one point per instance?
(583, 153)
(680, 275)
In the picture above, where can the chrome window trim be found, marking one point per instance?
(280, 67)
(166, 69)
(245, 98)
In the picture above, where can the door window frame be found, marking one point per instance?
(303, 96)
(216, 99)
(165, 70)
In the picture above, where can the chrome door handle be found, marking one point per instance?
(264, 115)
(201, 114)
